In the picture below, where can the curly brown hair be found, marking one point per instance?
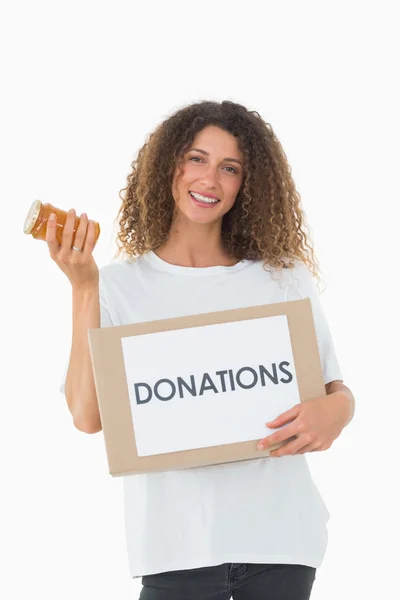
(266, 221)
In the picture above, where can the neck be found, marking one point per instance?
(195, 245)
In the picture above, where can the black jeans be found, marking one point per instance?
(231, 580)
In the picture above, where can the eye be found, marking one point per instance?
(198, 158)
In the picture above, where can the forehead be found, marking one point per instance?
(214, 140)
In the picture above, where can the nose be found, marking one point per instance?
(209, 176)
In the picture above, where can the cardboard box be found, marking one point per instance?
(198, 390)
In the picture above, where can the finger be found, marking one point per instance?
(51, 238)
(90, 239)
(310, 448)
(290, 448)
(279, 436)
(80, 234)
(68, 232)
(285, 417)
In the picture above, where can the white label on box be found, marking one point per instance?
(210, 385)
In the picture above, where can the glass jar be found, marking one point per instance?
(38, 215)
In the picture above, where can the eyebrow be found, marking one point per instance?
(207, 154)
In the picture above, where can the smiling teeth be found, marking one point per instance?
(203, 198)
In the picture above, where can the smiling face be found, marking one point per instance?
(212, 173)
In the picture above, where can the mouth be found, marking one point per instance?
(206, 201)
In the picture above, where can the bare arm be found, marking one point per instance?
(74, 257)
(349, 402)
(80, 390)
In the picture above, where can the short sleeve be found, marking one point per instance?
(105, 321)
(303, 285)
(105, 316)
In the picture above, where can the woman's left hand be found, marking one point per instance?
(315, 423)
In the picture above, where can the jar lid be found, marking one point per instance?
(32, 216)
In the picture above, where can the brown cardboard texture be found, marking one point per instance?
(113, 396)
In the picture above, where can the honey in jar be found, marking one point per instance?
(38, 216)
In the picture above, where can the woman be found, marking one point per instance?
(211, 220)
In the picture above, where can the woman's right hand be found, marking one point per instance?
(79, 266)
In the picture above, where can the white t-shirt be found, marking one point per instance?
(263, 510)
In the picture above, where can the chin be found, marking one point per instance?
(201, 218)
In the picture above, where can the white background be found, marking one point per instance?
(83, 83)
